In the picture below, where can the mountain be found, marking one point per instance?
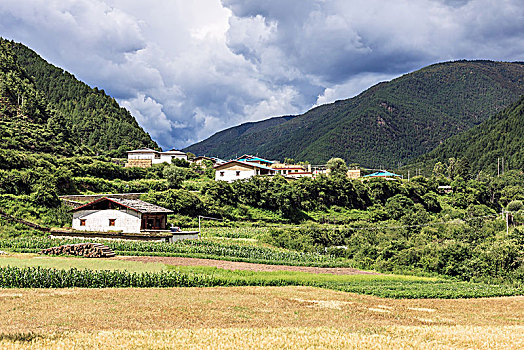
(390, 123)
(501, 136)
(26, 123)
(89, 115)
(220, 142)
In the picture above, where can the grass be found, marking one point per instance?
(388, 286)
(248, 232)
(64, 263)
(252, 317)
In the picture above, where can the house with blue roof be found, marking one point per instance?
(255, 159)
(384, 174)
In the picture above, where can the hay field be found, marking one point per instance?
(252, 318)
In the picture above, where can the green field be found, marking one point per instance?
(64, 263)
(204, 248)
(31, 271)
(387, 286)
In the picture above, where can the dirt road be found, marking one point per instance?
(236, 265)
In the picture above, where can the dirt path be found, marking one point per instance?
(236, 265)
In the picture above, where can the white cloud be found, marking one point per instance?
(351, 88)
(186, 69)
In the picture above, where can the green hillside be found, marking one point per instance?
(501, 136)
(388, 124)
(26, 123)
(220, 143)
(88, 115)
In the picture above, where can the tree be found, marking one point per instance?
(462, 168)
(439, 169)
(398, 206)
(337, 167)
(452, 165)
(175, 176)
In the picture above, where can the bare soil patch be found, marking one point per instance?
(236, 265)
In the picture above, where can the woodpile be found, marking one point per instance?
(88, 250)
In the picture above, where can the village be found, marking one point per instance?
(124, 216)
(245, 166)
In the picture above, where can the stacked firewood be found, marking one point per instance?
(88, 250)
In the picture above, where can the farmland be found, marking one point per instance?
(33, 272)
(252, 317)
(202, 249)
(33, 260)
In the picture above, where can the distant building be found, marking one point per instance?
(121, 215)
(292, 170)
(145, 158)
(237, 170)
(200, 160)
(255, 159)
(384, 174)
(354, 173)
(445, 189)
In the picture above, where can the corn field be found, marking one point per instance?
(37, 277)
(190, 248)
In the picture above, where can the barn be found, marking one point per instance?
(120, 215)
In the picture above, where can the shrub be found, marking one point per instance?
(515, 205)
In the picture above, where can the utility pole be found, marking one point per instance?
(502, 165)
(507, 222)
(408, 175)
(199, 226)
(498, 166)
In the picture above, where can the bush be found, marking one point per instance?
(515, 205)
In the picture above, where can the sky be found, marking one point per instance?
(187, 69)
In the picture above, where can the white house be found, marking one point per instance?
(121, 215)
(237, 170)
(146, 157)
(293, 170)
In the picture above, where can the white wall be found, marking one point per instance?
(127, 221)
(140, 156)
(231, 175)
(166, 158)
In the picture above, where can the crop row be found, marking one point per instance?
(38, 277)
(196, 248)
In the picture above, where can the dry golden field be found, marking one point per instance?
(252, 318)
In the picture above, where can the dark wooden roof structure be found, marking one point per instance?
(133, 204)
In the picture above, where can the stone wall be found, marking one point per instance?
(139, 163)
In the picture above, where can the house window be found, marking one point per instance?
(157, 156)
(238, 172)
(112, 222)
(82, 222)
(221, 173)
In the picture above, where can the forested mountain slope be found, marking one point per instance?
(388, 124)
(220, 143)
(499, 137)
(26, 123)
(88, 115)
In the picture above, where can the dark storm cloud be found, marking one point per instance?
(186, 69)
